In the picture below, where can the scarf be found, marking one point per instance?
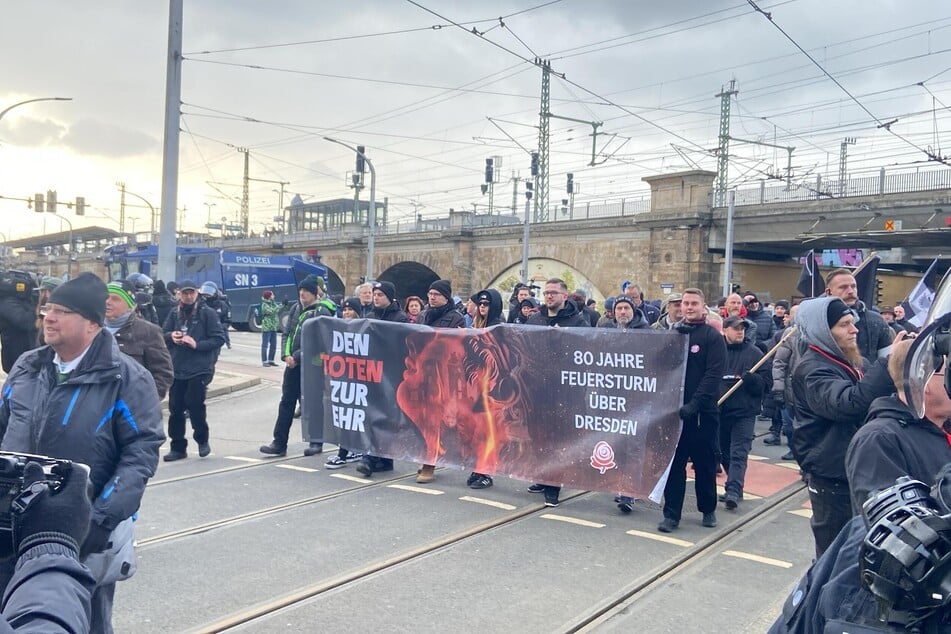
(115, 325)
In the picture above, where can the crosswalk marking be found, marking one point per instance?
(788, 465)
(758, 559)
(807, 513)
(498, 505)
(572, 520)
(344, 476)
(294, 467)
(243, 459)
(660, 538)
(406, 487)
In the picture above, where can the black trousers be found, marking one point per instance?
(831, 510)
(290, 395)
(736, 440)
(187, 395)
(698, 442)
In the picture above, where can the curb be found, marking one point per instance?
(243, 383)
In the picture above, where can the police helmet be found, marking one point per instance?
(209, 289)
(141, 282)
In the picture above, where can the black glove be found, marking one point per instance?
(779, 397)
(42, 516)
(747, 377)
(688, 410)
(97, 540)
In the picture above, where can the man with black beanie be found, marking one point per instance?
(194, 335)
(79, 398)
(441, 313)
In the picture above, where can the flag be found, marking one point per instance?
(810, 282)
(921, 297)
(865, 280)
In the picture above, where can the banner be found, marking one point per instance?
(921, 297)
(590, 408)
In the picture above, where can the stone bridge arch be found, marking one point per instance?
(541, 269)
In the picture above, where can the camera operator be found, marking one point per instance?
(50, 590)
(17, 316)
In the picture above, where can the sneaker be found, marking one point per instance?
(272, 364)
(172, 456)
(788, 456)
(709, 519)
(426, 474)
(314, 448)
(551, 499)
(536, 488)
(773, 439)
(273, 449)
(203, 449)
(481, 482)
(353, 457)
(668, 525)
(336, 463)
(472, 478)
(625, 504)
(730, 501)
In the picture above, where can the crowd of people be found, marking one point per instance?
(88, 364)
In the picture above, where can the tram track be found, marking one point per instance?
(585, 622)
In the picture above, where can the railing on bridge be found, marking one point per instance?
(873, 184)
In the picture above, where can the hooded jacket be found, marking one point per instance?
(392, 312)
(494, 316)
(519, 318)
(893, 443)
(765, 327)
(203, 325)
(746, 401)
(874, 332)
(784, 363)
(106, 414)
(638, 321)
(568, 317)
(446, 316)
(831, 398)
(270, 315)
(290, 341)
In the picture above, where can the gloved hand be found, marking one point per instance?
(42, 516)
(779, 397)
(688, 410)
(97, 540)
(748, 377)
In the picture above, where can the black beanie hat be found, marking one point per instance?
(386, 288)
(86, 294)
(836, 310)
(311, 283)
(443, 287)
(353, 303)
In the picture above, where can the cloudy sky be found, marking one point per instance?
(419, 91)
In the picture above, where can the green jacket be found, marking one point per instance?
(270, 310)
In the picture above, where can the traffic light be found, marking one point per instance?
(878, 292)
(80, 206)
(571, 183)
(361, 158)
(51, 200)
(489, 172)
(38, 205)
(534, 163)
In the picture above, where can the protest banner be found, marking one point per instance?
(588, 408)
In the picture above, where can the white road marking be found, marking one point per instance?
(572, 520)
(294, 467)
(344, 476)
(498, 505)
(807, 513)
(243, 459)
(752, 457)
(758, 559)
(746, 495)
(406, 487)
(660, 538)
(788, 465)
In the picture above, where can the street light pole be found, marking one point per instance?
(371, 216)
(20, 103)
(151, 211)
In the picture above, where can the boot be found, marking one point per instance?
(426, 474)
(772, 439)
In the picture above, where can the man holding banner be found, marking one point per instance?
(706, 356)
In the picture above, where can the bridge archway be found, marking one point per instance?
(409, 278)
(541, 269)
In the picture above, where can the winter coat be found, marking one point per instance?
(651, 312)
(893, 443)
(106, 414)
(270, 315)
(765, 328)
(745, 401)
(18, 328)
(874, 333)
(637, 322)
(393, 312)
(494, 316)
(290, 342)
(706, 355)
(445, 316)
(163, 303)
(784, 363)
(205, 328)
(144, 342)
(568, 317)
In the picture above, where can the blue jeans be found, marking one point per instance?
(788, 413)
(268, 345)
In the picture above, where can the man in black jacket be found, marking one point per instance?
(441, 313)
(874, 336)
(765, 326)
(193, 335)
(832, 395)
(313, 303)
(894, 442)
(557, 312)
(627, 315)
(386, 308)
(738, 412)
(706, 354)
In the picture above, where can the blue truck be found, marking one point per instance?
(241, 276)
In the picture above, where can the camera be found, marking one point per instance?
(12, 466)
